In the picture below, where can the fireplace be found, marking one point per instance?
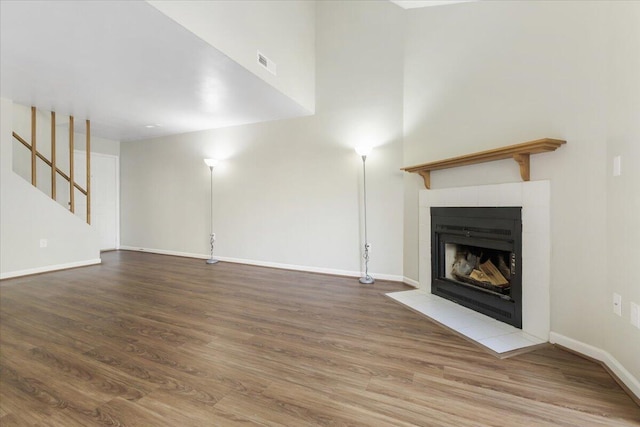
(476, 259)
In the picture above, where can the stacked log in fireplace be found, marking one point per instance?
(482, 267)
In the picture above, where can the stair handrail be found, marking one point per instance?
(35, 154)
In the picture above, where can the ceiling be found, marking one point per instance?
(132, 71)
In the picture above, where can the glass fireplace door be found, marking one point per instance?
(476, 257)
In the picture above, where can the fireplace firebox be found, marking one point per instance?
(476, 257)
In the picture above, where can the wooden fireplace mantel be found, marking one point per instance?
(518, 152)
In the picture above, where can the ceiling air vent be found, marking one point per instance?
(267, 63)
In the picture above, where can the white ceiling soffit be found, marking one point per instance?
(412, 4)
(126, 66)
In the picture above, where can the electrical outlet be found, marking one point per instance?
(635, 314)
(617, 304)
(43, 243)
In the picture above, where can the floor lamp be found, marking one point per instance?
(212, 236)
(364, 152)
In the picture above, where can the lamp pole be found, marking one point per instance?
(366, 279)
(212, 236)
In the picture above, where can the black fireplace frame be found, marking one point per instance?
(497, 228)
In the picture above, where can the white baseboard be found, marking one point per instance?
(333, 271)
(600, 355)
(411, 282)
(310, 269)
(49, 268)
(163, 252)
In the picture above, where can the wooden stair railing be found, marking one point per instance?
(35, 154)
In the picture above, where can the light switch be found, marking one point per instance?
(635, 314)
(617, 166)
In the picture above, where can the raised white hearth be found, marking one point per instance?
(492, 334)
(534, 198)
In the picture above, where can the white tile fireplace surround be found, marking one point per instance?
(534, 198)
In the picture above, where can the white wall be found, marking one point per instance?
(623, 192)
(27, 215)
(103, 146)
(283, 31)
(486, 74)
(289, 191)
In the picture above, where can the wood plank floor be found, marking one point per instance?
(151, 340)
